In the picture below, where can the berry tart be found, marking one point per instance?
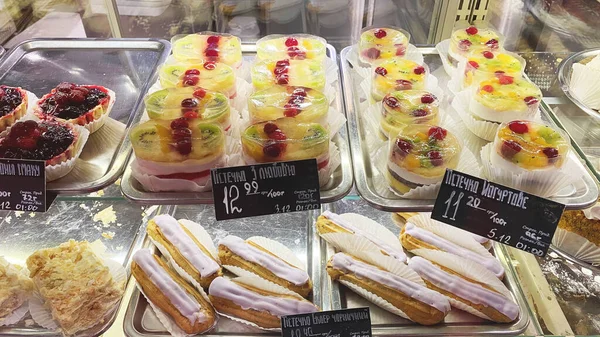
(208, 46)
(382, 43)
(294, 47)
(13, 105)
(54, 141)
(474, 37)
(209, 75)
(85, 105)
(303, 104)
(408, 107)
(420, 155)
(397, 74)
(485, 64)
(303, 73)
(504, 98)
(176, 155)
(191, 103)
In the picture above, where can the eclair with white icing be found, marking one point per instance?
(399, 289)
(168, 291)
(249, 256)
(468, 286)
(256, 301)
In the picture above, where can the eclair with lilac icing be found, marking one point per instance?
(267, 259)
(256, 301)
(194, 254)
(468, 286)
(171, 294)
(389, 284)
(361, 226)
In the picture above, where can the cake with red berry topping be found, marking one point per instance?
(301, 73)
(208, 46)
(504, 98)
(294, 47)
(86, 105)
(473, 37)
(191, 103)
(208, 75)
(175, 155)
(382, 43)
(527, 146)
(420, 155)
(486, 64)
(396, 74)
(303, 104)
(408, 107)
(13, 105)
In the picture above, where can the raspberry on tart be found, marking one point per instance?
(13, 105)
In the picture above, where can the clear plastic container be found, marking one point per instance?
(380, 43)
(408, 107)
(303, 104)
(208, 46)
(209, 75)
(396, 74)
(295, 47)
(301, 73)
(466, 38)
(485, 64)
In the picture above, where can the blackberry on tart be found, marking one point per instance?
(13, 105)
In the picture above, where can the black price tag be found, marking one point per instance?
(23, 185)
(341, 323)
(252, 190)
(515, 218)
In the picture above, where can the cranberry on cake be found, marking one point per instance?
(13, 105)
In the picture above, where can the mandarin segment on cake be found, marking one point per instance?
(465, 40)
(294, 47)
(408, 107)
(397, 74)
(485, 64)
(285, 139)
(531, 145)
(208, 46)
(209, 75)
(301, 73)
(189, 102)
(13, 105)
(382, 43)
(304, 104)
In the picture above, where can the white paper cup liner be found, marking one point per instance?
(371, 226)
(423, 219)
(335, 121)
(442, 49)
(97, 124)
(31, 102)
(577, 246)
(378, 301)
(201, 235)
(483, 129)
(16, 315)
(279, 250)
(583, 84)
(243, 71)
(254, 325)
(243, 91)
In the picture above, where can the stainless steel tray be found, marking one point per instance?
(584, 192)
(295, 230)
(126, 66)
(338, 186)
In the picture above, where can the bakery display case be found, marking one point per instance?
(132, 104)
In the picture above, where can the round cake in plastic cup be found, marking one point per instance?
(419, 155)
(209, 75)
(485, 64)
(300, 73)
(408, 107)
(303, 104)
(295, 47)
(396, 74)
(379, 43)
(504, 98)
(191, 103)
(466, 38)
(522, 146)
(208, 46)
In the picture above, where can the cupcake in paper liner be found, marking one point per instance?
(481, 65)
(380, 43)
(578, 234)
(466, 38)
(17, 289)
(14, 103)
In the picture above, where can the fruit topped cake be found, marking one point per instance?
(397, 74)
(189, 102)
(304, 104)
(209, 75)
(382, 43)
(13, 105)
(302, 73)
(208, 46)
(530, 146)
(466, 39)
(485, 64)
(504, 98)
(76, 104)
(295, 47)
(420, 155)
(407, 107)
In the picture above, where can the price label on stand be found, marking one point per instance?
(515, 218)
(23, 185)
(262, 189)
(342, 323)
